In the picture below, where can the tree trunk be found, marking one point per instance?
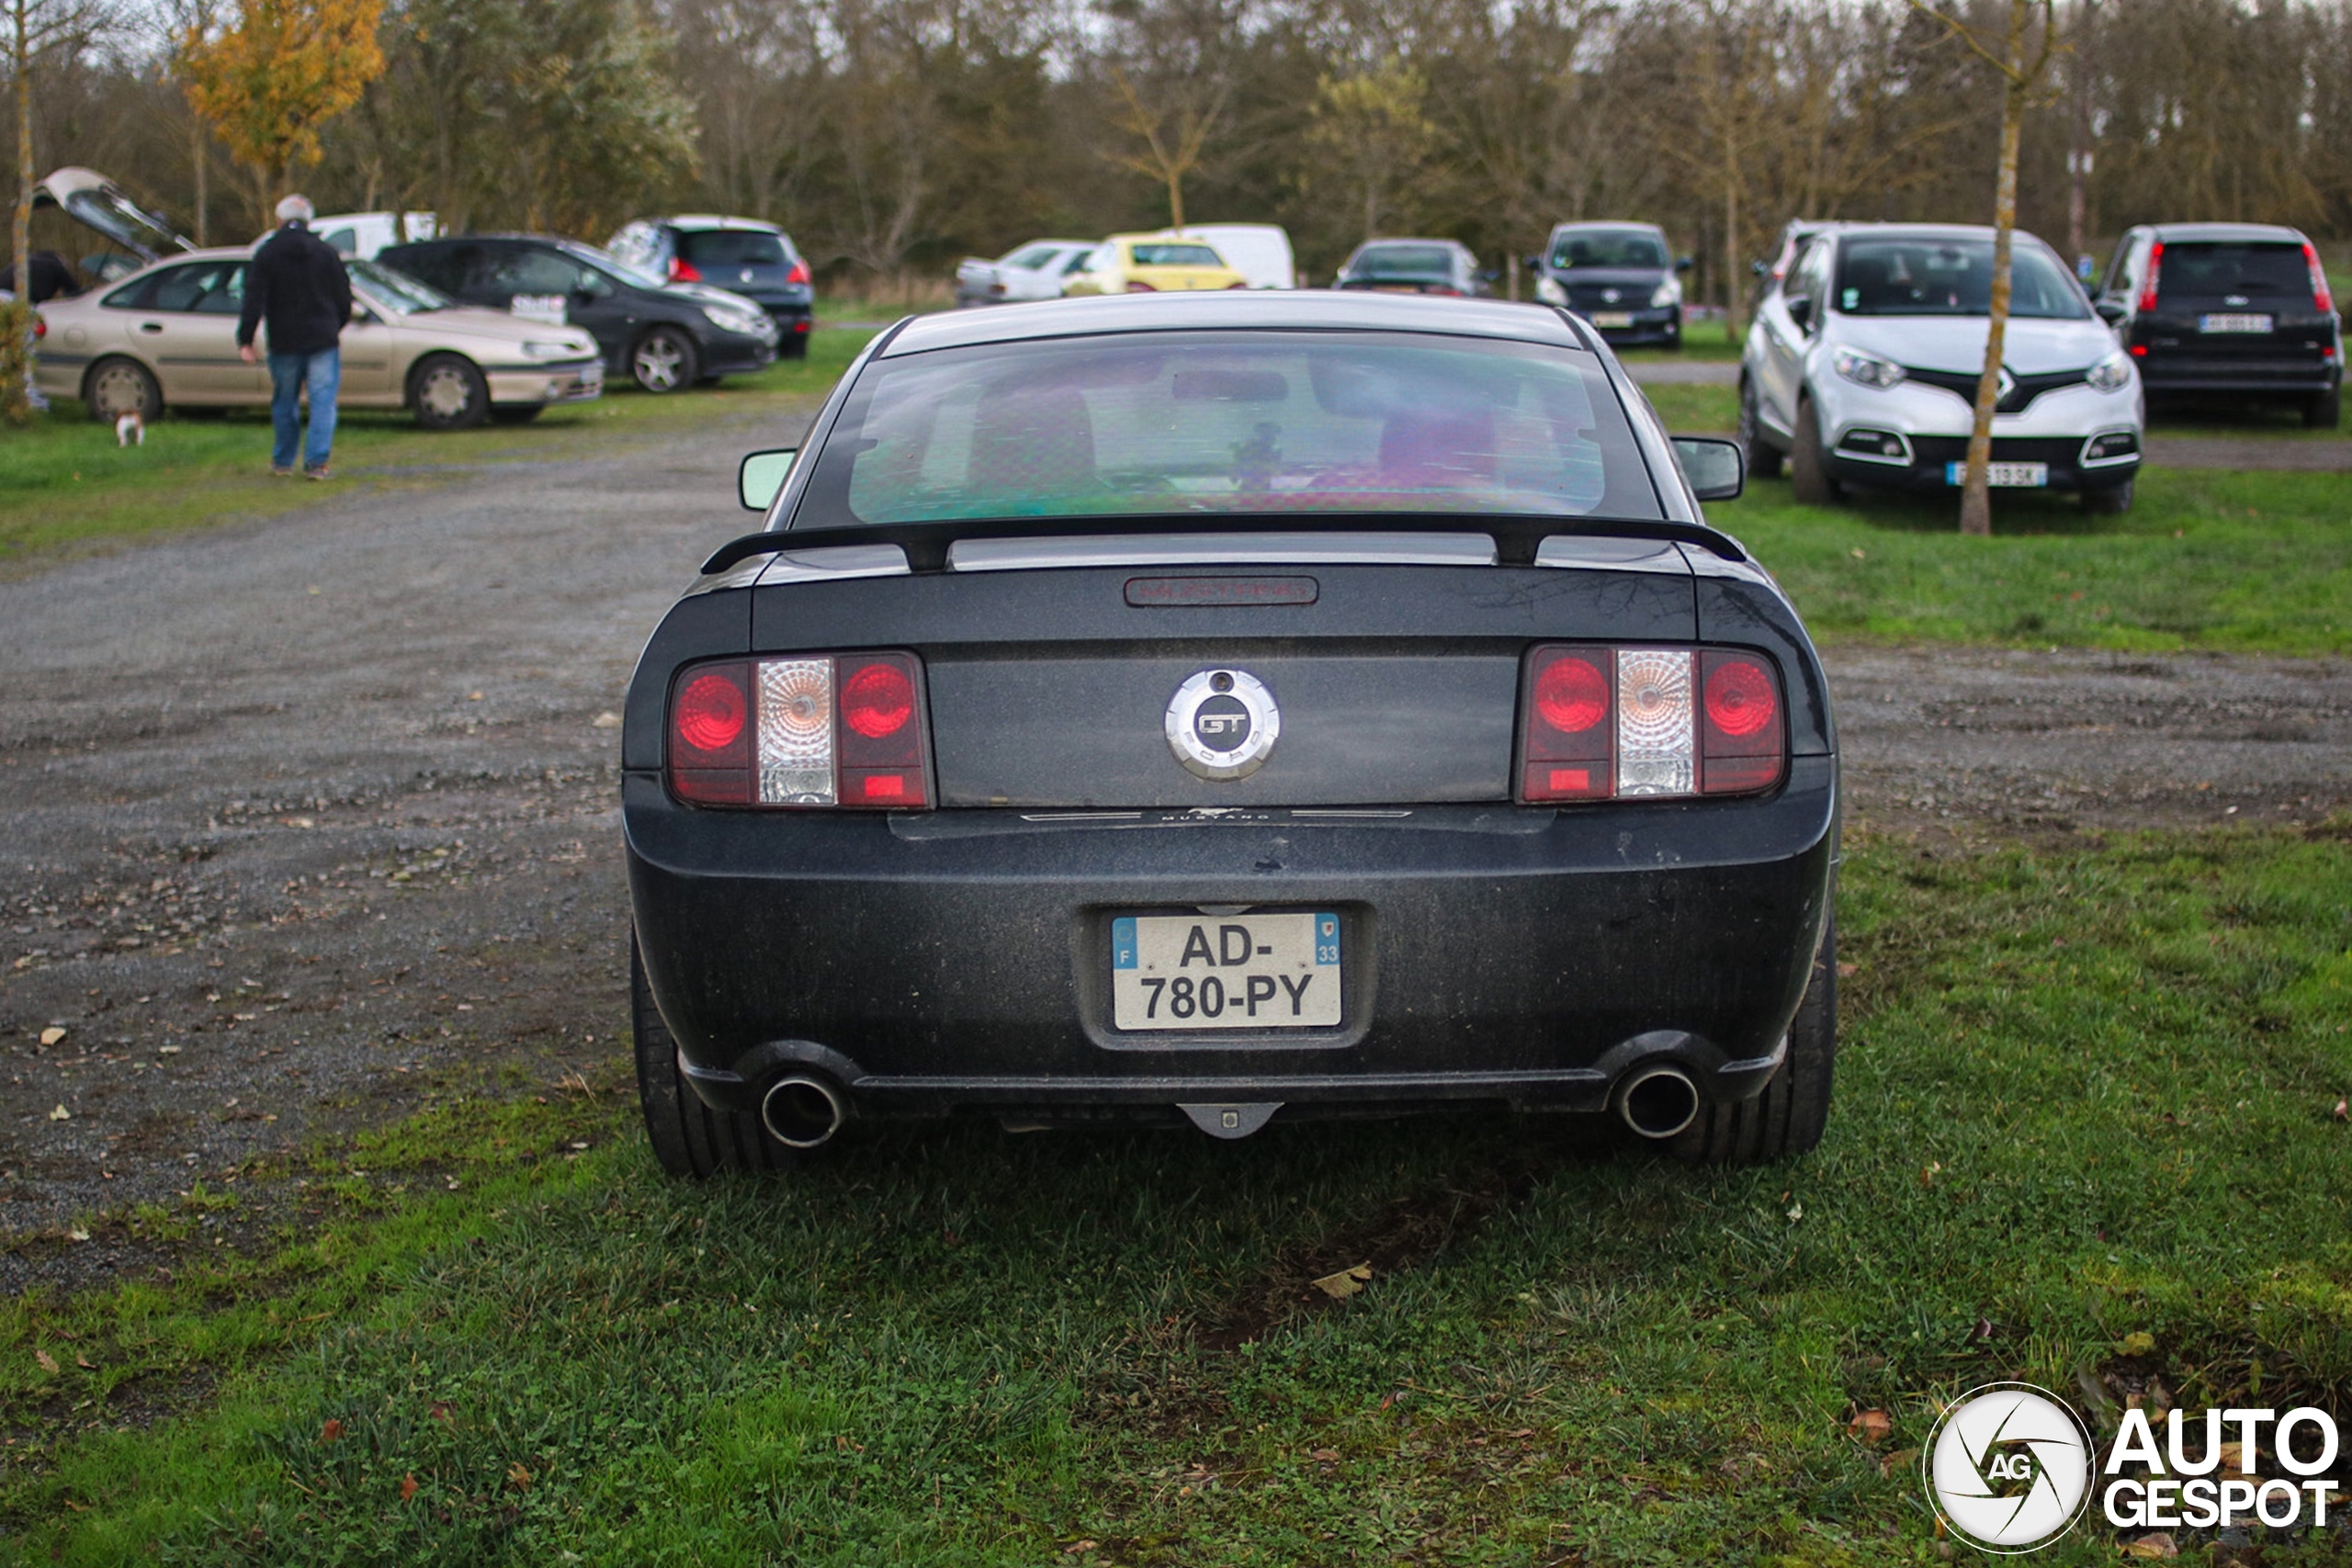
(1976, 494)
(1733, 304)
(1175, 200)
(20, 225)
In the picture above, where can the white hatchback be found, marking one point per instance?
(1861, 370)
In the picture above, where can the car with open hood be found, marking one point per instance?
(133, 236)
(1226, 709)
(167, 336)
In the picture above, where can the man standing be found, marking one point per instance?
(297, 284)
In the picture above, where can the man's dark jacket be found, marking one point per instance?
(296, 282)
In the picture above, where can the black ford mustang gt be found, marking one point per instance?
(1230, 706)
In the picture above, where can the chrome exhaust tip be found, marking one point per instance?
(802, 1112)
(1660, 1103)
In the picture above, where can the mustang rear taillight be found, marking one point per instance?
(1608, 723)
(812, 730)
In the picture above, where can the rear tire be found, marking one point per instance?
(2110, 502)
(1763, 459)
(689, 1138)
(1808, 464)
(448, 392)
(118, 386)
(1789, 1116)
(2324, 412)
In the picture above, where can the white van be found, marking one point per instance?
(1259, 252)
(362, 234)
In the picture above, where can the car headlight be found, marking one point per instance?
(1549, 292)
(544, 348)
(728, 320)
(1667, 293)
(1867, 369)
(2112, 373)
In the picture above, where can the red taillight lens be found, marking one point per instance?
(684, 271)
(799, 272)
(2322, 300)
(1607, 723)
(801, 730)
(2148, 289)
(40, 326)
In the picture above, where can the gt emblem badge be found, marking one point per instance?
(1222, 723)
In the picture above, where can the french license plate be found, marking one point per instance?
(1612, 317)
(1189, 972)
(2234, 324)
(2011, 476)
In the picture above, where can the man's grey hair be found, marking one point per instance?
(295, 207)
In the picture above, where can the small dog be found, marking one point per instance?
(130, 430)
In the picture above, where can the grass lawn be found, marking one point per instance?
(2085, 1135)
(64, 483)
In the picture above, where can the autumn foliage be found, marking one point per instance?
(282, 69)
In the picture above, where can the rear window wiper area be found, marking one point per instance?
(1517, 538)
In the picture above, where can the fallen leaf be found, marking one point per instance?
(2138, 1343)
(1857, 553)
(518, 1477)
(2157, 1545)
(605, 720)
(60, 1114)
(77, 1234)
(1077, 1546)
(332, 1430)
(1871, 1426)
(77, 1507)
(1848, 971)
(51, 1035)
(1328, 1456)
(1344, 1283)
(47, 1363)
(440, 1411)
(408, 1487)
(1796, 1213)
(1899, 1461)
(2343, 1109)
(87, 1364)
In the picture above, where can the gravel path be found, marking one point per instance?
(308, 818)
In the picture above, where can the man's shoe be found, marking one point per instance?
(321, 472)
(278, 473)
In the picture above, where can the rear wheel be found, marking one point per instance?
(665, 361)
(1763, 459)
(688, 1137)
(1789, 1117)
(119, 386)
(2324, 412)
(448, 392)
(2113, 501)
(1808, 464)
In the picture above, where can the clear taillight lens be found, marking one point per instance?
(1609, 723)
(813, 731)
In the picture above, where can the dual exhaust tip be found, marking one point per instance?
(802, 1112)
(1659, 1102)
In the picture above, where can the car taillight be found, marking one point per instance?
(1135, 287)
(2148, 289)
(809, 730)
(1610, 723)
(40, 326)
(2322, 300)
(799, 272)
(684, 271)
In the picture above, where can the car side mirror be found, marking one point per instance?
(1716, 468)
(1801, 311)
(1759, 268)
(2111, 312)
(1532, 263)
(1682, 264)
(761, 479)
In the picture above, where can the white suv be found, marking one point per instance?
(1861, 368)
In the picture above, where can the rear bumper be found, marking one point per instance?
(961, 960)
(2182, 375)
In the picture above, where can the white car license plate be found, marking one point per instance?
(2011, 476)
(2234, 324)
(1612, 317)
(1188, 972)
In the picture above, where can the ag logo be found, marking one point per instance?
(1222, 723)
(2008, 1468)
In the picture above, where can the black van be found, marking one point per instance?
(661, 335)
(2238, 309)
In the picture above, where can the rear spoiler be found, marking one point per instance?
(1517, 538)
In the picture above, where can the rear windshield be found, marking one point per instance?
(1149, 424)
(1950, 277)
(1607, 247)
(396, 289)
(1402, 261)
(1159, 254)
(730, 247)
(2276, 270)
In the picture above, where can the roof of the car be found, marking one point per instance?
(2168, 232)
(1271, 310)
(1607, 223)
(1375, 245)
(1168, 235)
(713, 221)
(1922, 231)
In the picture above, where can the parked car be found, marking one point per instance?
(1270, 704)
(1412, 266)
(661, 335)
(1150, 263)
(1034, 271)
(1792, 238)
(1861, 368)
(1619, 276)
(1260, 253)
(364, 234)
(2239, 308)
(743, 256)
(167, 336)
(134, 237)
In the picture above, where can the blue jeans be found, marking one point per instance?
(323, 372)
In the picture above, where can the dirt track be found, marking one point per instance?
(303, 815)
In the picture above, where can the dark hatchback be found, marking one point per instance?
(743, 256)
(662, 336)
(1619, 276)
(1225, 707)
(2228, 311)
(1413, 266)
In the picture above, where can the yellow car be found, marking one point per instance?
(1152, 263)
